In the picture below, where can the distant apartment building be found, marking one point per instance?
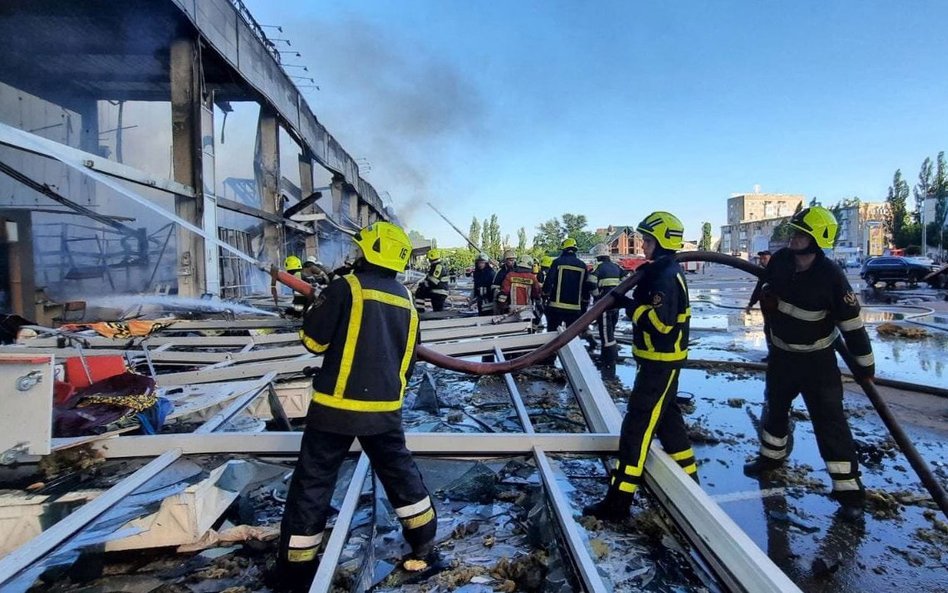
(752, 218)
(623, 241)
(861, 229)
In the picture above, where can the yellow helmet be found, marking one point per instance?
(819, 223)
(665, 228)
(546, 261)
(385, 245)
(434, 254)
(292, 263)
(568, 243)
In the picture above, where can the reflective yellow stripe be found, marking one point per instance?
(799, 312)
(409, 347)
(312, 345)
(303, 555)
(388, 299)
(682, 455)
(683, 317)
(627, 487)
(652, 421)
(609, 282)
(866, 360)
(559, 304)
(629, 470)
(839, 467)
(690, 469)
(850, 324)
(357, 405)
(419, 520)
(413, 509)
(639, 311)
(845, 485)
(352, 335)
(820, 344)
(661, 327)
(647, 338)
(660, 356)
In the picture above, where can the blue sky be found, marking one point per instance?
(615, 109)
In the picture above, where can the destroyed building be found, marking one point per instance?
(117, 146)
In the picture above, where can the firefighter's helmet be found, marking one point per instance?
(665, 228)
(568, 243)
(510, 254)
(525, 261)
(434, 254)
(481, 257)
(819, 223)
(385, 245)
(546, 261)
(292, 263)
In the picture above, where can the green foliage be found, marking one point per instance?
(521, 241)
(897, 216)
(457, 259)
(922, 189)
(494, 247)
(705, 243)
(548, 236)
(474, 234)
(551, 233)
(933, 237)
(913, 250)
(782, 232)
(941, 195)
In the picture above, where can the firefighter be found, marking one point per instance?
(315, 272)
(434, 286)
(603, 278)
(294, 266)
(545, 262)
(808, 303)
(510, 260)
(660, 314)
(564, 289)
(520, 288)
(366, 328)
(483, 279)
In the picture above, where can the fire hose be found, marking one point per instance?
(609, 301)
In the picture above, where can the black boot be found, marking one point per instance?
(852, 504)
(761, 465)
(614, 507)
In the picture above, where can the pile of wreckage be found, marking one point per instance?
(155, 456)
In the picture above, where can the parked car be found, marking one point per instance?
(891, 269)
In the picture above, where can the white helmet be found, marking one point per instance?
(525, 261)
(312, 260)
(481, 257)
(601, 250)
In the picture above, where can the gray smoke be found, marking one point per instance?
(393, 103)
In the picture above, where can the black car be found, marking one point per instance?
(890, 269)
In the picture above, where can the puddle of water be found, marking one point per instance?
(795, 523)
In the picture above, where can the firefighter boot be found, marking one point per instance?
(614, 507)
(607, 363)
(761, 465)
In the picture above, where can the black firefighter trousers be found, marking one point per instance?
(653, 411)
(314, 479)
(816, 376)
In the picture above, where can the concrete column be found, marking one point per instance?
(186, 161)
(354, 207)
(338, 190)
(306, 188)
(268, 163)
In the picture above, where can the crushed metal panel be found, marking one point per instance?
(27, 404)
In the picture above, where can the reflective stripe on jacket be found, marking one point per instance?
(564, 284)
(366, 326)
(661, 313)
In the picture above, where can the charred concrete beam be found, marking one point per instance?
(267, 170)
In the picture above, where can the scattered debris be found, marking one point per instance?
(902, 331)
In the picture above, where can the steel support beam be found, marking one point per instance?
(420, 443)
(44, 543)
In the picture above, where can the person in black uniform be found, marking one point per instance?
(483, 280)
(564, 290)
(808, 304)
(660, 314)
(434, 286)
(506, 267)
(366, 327)
(604, 277)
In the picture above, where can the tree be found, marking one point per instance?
(485, 237)
(548, 236)
(493, 232)
(940, 184)
(573, 224)
(474, 234)
(896, 216)
(705, 243)
(521, 241)
(922, 189)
